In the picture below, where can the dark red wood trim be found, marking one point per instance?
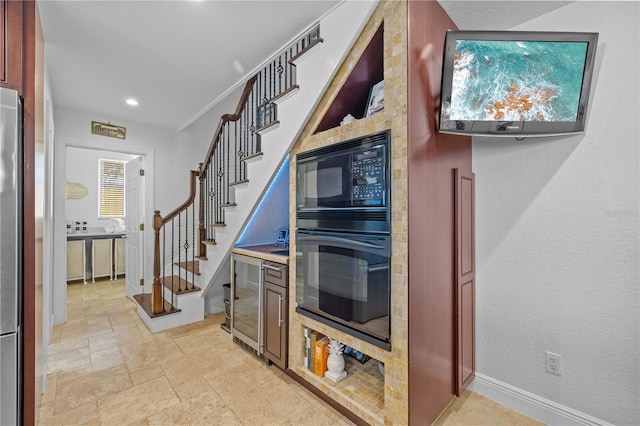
(323, 396)
(3, 40)
(11, 43)
(33, 82)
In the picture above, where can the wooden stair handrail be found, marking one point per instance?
(186, 204)
(157, 305)
(248, 88)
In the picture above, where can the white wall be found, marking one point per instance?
(158, 145)
(557, 238)
(82, 168)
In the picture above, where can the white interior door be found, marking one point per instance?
(134, 218)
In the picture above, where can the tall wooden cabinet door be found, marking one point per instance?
(465, 280)
(11, 45)
(275, 326)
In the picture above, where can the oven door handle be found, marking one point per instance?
(377, 268)
(348, 241)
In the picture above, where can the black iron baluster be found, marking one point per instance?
(212, 179)
(245, 150)
(219, 174)
(280, 70)
(186, 250)
(179, 252)
(264, 89)
(272, 71)
(253, 127)
(205, 200)
(223, 165)
(228, 172)
(235, 151)
(215, 181)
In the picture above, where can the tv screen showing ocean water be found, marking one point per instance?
(517, 80)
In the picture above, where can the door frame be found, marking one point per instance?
(59, 213)
(133, 289)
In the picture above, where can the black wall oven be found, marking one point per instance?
(345, 186)
(343, 280)
(343, 237)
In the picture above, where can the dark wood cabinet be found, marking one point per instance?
(465, 280)
(276, 306)
(11, 37)
(440, 229)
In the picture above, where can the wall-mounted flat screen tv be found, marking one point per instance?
(517, 84)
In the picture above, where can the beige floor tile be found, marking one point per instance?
(192, 389)
(107, 368)
(115, 338)
(97, 319)
(197, 342)
(90, 388)
(77, 416)
(190, 366)
(69, 375)
(67, 346)
(69, 360)
(205, 409)
(145, 375)
(148, 353)
(105, 307)
(84, 331)
(268, 403)
(137, 403)
(310, 416)
(106, 358)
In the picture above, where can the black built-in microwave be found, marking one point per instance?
(345, 186)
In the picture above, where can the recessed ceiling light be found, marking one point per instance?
(132, 102)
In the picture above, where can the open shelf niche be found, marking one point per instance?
(352, 97)
(363, 386)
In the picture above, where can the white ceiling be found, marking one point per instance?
(175, 57)
(178, 57)
(496, 14)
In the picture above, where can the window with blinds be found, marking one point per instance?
(111, 188)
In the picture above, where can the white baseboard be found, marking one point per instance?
(537, 407)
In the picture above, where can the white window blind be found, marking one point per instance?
(111, 188)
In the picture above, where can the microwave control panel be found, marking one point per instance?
(368, 172)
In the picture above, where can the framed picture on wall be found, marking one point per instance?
(375, 103)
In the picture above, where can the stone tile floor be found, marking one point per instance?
(106, 368)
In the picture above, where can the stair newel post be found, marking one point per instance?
(201, 229)
(157, 305)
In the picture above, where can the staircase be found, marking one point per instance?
(192, 242)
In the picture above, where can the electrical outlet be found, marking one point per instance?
(554, 366)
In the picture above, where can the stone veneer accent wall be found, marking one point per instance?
(394, 117)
